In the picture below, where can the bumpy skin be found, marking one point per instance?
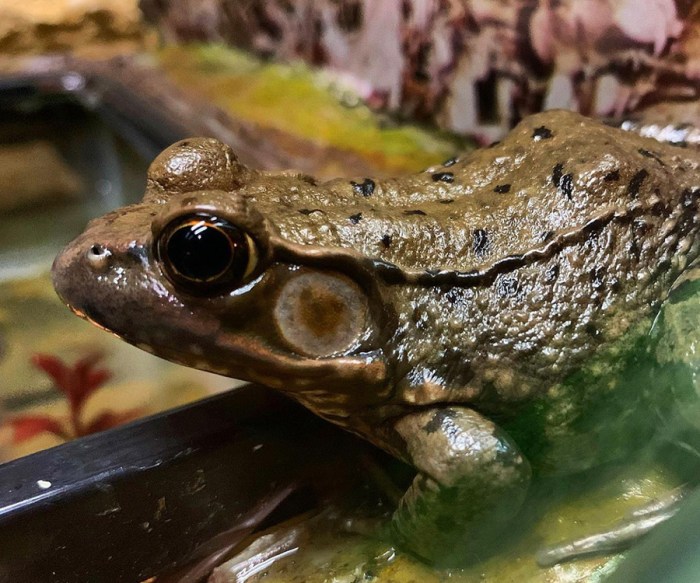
(446, 316)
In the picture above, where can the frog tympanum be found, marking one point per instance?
(480, 320)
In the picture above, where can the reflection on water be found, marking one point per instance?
(59, 166)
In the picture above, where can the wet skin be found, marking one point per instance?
(480, 320)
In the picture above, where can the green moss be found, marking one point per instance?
(678, 327)
(600, 412)
(295, 100)
(677, 351)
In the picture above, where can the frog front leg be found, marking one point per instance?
(471, 481)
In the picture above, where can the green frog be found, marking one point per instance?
(482, 320)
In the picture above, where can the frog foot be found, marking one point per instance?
(617, 538)
(471, 482)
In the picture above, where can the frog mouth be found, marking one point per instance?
(87, 313)
(84, 315)
(250, 360)
(247, 359)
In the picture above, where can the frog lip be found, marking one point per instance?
(88, 312)
(249, 360)
(244, 358)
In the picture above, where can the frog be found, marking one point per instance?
(482, 320)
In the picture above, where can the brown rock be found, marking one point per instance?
(85, 27)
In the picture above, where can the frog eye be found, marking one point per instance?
(205, 254)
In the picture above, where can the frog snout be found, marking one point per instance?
(74, 270)
(56, 276)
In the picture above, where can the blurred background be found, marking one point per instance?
(92, 90)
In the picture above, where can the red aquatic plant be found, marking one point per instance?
(77, 383)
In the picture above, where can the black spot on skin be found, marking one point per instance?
(386, 241)
(652, 155)
(502, 188)
(567, 185)
(354, 219)
(542, 133)
(635, 183)
(453, 295)
(564, 182)
(414, 212)
(689, 197)
(641, 227)
(615, 284)
(309, 211)
(662, 266)
(633, 249)
(552, 273)
(546, 236)
(480, 243)
(591, 236)
(507, 287)
(440, 416)
(597, 276)
(443, 177)
(365, 188)
(612, 176)
(557, 173)
(450, 162)
(446, 201)
(432, 272)
(592, 329)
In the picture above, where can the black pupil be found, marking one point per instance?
(202, 251)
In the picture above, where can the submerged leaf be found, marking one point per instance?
(55, 368)
(26, 427)
(109, 419)
(78, 382)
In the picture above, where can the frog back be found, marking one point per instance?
(556, 173)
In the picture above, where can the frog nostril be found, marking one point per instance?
(98, 256)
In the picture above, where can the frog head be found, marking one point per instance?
(199, 274)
